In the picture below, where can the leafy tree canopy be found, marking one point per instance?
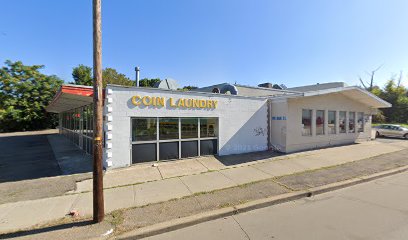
(24, 94)
(188, 88)
(397, 95)
(111, 76)
(146, 82)
(82, 75)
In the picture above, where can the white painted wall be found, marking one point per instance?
(279, 124)
(336, 102)
(242, 120)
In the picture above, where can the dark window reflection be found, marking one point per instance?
(168, 128)
(144, 129)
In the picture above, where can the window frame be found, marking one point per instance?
(311, 121)
(323, 131)
(352, 113)
(76, 124)
(179, 140)
(362, 122)
(335, 122)
(345, 122)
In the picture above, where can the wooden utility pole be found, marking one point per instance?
(98, 203)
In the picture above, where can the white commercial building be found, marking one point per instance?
(151, 124)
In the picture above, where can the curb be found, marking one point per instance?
(179, 223)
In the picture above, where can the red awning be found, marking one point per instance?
(70, 97)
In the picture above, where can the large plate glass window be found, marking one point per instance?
(189, 128)
(360, 122)
(178, 137)
(76, 125)
(320, 122)
(168, 128)
(144, 129)
(331, 122)
(307, 122)
(352, 122)
(342, 121)
(208, 127)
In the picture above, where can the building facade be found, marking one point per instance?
(150, 124)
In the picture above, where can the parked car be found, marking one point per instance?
(390, 130)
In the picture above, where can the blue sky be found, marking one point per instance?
(203, 42)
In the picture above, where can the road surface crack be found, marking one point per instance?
(246, 234)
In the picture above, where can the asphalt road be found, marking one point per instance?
(373, 210)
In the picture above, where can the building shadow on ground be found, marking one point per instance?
(236, 159)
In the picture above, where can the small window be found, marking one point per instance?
(360, 122)
(332, 122)
(320, 122)
(168, 128)
(342, 121)
(352, 122)
(306, 122)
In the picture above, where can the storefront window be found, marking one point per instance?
(307, 122)
(208, 127)
(172, 134)
(189, 128)
(360, 122)
(342, 121)
(168, 128)
(320, 122)
(332, 122)
(144, 129)
(77, 126)
(352, 119)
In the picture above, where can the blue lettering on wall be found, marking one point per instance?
(278, 117)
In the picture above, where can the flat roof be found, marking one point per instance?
(73, 96)
(353, 92)
(185, 92)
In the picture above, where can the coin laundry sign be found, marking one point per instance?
(171, 102)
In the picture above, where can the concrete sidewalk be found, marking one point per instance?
(266, 162)
(70, 159)
(128, 187)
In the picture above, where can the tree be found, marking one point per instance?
(111, 76)
(24, 94)
(188, 88)
(146, 82)
(82, 75)
(397, 96)
(369, 85)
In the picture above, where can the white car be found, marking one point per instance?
(391, 130)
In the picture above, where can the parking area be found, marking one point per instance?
(29, 169)
(391, 140)
(24, 157)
